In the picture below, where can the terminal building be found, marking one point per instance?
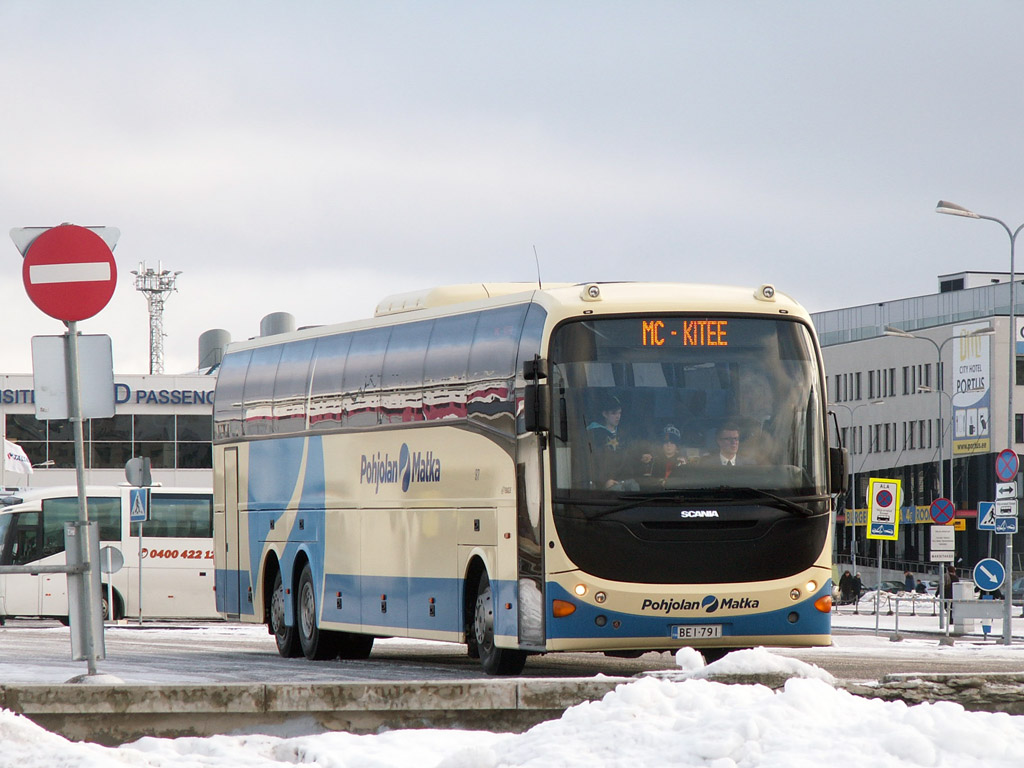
(167, 418)
(918, 393)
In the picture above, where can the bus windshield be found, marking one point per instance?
(659, 404)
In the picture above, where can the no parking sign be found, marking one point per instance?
(884, 516)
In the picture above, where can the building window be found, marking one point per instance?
(172, 442)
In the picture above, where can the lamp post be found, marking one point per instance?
(952, 209)
(985, 331)
(853, 474)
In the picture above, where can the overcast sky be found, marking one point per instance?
(312, 157)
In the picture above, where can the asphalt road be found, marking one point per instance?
(40, 651)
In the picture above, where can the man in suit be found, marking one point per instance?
(728, 438)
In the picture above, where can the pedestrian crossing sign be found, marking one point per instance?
(139, 511)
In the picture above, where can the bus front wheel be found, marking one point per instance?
(287, 638)
(494, 660)
(316, 643)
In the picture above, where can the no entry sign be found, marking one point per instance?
(69, 272)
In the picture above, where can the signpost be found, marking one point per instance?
(139, 513)
(1007, 466)
(69, 273)
(883, 519)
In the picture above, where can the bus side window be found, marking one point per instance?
(25, 547)
(5, 526)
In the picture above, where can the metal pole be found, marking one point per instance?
(90, 600)
(1011, 438)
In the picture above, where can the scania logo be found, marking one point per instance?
(687, 513)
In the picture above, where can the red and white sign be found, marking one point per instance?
(69, 272)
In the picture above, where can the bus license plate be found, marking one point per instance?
(696, 631)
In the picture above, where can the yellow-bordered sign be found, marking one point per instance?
(884, 508)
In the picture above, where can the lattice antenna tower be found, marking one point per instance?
(156, 284)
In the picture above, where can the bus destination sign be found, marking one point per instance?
(685, 333)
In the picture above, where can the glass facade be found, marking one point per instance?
(170, 441)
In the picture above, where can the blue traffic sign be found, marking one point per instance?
(139, 511)
(885, 530)
(989, 574)
(1007, 464)
(1005, 525)
(987, 516)
(942, 511)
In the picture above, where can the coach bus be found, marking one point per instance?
(175, 550)
(440, 472)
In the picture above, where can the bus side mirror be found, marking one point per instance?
(838, 470)
(536, 414)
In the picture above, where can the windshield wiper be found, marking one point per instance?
(782, 502)
(631, 503)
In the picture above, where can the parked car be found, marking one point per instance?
(1017, 591)
(893, 586)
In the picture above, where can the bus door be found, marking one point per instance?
(226, 532)
(529, 524)
(22, 545)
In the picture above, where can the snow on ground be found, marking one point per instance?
(681, 719)
(654, 721)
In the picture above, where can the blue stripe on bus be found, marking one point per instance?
(274, 477)
(583, 623)
(225, 585)
(393, 601)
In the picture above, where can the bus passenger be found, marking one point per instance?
(603, 436)
(660, 468)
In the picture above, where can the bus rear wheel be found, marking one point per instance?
(105, 606)
(494, 660)
(316, 643)
(354, 647)
(287, 638)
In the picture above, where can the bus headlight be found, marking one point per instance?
(580, 590)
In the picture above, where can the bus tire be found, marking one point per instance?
(317, 644)
(354, 647)
(105, 606)
(494, 660)
(287, 638)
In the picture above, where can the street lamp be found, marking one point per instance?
(853, 473)
(987, 330)
(953, 209)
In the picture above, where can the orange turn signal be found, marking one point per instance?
(824, 603)
(562, 608)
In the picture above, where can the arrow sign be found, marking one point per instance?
(989, 574)
(69, 272)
